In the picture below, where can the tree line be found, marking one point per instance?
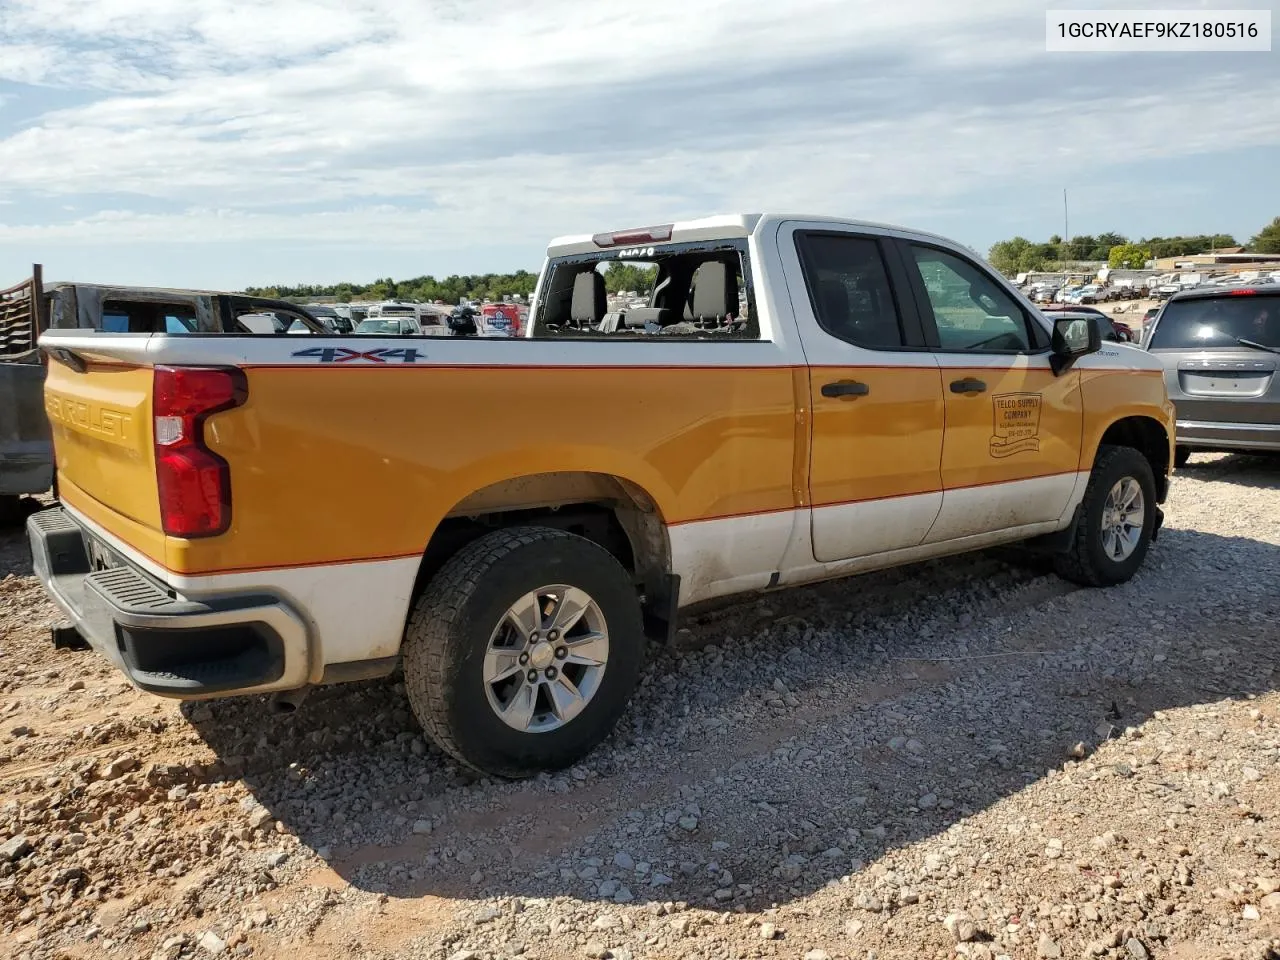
(487, 286)
(1021, 255)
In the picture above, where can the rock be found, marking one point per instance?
(624, 861)
(421, 827)
(118, 767)
(1136, 949)
(212, 944)
(486, 914)
(1271, 902)
(596, 951)
(14, 848)
(606, 921)
(1079, 751)
(609, 888)
(914, 747)
(817, 955)
(1250, 912)
(1267, 885)
(1250, 775)
(624, 895)
(689, 823)
(75, 685)
(260, 818)
(1053, 849)
(464, 955)
(1048, 948)
(928, 801)
(962, 927)
(768, 931)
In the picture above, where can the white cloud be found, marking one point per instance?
(424, 124)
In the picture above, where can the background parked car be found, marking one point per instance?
(389, 327)
(330, 317)
(1220, 347)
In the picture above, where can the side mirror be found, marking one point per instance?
(1073, 337)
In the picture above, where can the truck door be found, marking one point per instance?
(875, 393)
(1011, 451)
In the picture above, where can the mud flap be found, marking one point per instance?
(1058, 542)
(659, 609)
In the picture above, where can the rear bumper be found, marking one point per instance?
(1204, 435)
(185, 649)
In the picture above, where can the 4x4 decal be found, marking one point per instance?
(376, 355)
(1017, 424)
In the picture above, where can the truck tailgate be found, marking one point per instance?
(102, 436)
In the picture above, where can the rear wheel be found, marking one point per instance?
(1117, 517)
(1181, 455)
(523, 651)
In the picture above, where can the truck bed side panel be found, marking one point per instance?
(334, 465)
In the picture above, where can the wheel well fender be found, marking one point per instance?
(609, 510)
(1148, 437)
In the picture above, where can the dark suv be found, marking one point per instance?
(1221, 353)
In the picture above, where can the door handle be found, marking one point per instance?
(845, 388)
(968, 385)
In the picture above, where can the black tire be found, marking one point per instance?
(1086, 563)
(1181, 455)
(450, 627)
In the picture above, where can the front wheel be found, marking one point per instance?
(523, 651)
(1117, 518)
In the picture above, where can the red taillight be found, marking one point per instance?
(194, 482)
(1241, 293)
(626, 237)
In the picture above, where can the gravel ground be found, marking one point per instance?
(963, 758)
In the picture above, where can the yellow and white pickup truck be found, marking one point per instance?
(801, 399)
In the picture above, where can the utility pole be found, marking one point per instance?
(1066, 223)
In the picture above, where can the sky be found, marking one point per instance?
(212, 143)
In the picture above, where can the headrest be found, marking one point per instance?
(590, 302)
(715, 291)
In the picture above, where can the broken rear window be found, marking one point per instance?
(690, 290)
